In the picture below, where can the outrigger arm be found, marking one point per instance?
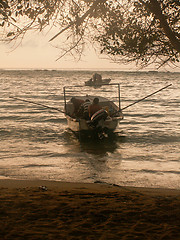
(142, 99)
(39, 104)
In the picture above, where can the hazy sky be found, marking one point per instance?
(44, 56)
(36, 52)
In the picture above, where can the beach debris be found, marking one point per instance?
(43, 188)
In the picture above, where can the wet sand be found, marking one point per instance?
(57, 210)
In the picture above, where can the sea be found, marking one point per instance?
(36, 144)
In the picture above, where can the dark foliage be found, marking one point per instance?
(144, 31)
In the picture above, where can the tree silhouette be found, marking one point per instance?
(141, 31)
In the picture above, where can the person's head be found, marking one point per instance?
(87, 100)
(73, 99)
(96, 100)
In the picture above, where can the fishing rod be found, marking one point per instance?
(42, 105)
(143, 98)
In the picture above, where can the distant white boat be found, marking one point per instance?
(90, 82)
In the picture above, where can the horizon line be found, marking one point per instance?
(90, 69)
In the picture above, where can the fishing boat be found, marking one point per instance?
(102, 123)
(92, 83)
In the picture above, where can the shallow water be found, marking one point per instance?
(35, 142)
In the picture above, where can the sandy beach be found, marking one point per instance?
(57, 210)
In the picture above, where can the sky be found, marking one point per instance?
(35, 52)
(44, 57)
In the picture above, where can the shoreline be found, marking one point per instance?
(40, 209)
(96, 187)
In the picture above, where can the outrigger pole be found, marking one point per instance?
(42, 105)
(146, 97)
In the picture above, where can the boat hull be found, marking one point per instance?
(104, 81)
(82, 126)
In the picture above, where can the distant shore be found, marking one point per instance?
(111, 69)
(60, 210)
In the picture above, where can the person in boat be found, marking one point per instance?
(97, 78)
(76, 103)
(83, 111)
(97, 113)
(94, 107)
(90, 81)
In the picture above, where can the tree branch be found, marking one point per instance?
(155, 8)
(80, 20)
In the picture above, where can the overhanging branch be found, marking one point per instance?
(80, 20)
(155, 8)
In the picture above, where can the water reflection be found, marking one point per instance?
(101, 147)
(98, 147)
